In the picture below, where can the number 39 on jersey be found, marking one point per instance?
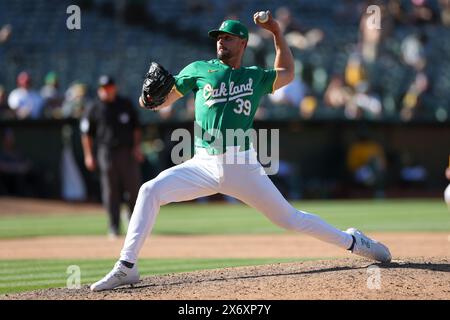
(243, 106)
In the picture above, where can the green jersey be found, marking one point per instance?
(226, 100)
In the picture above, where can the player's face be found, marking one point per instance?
(229, 46)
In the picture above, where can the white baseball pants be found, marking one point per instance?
(205, 175)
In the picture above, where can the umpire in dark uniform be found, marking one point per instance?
(110, 126)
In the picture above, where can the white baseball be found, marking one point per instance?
(263, 17)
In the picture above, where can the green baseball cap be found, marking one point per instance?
(233, 27)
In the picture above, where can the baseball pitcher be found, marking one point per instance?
(227, 95)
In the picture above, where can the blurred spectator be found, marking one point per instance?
(422, 13)
(412, 100)
(26, 102)
(15, 169)
(75, 101)
(5, 33)
(366, 161)
(316, 78)
(73, 187)
(397, 11)
(337, 94)
(296, 35)
(292, 94)
(52, 98)
(364, 104)
(5, 111)
(370, 37)
(287, 22)
(374, 29)
(361, 101)
(308, 107)
(445, 12)
(413, 50)
(355, 72)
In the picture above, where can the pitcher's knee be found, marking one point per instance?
(148, 189)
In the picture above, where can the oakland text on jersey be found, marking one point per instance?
(232, 93)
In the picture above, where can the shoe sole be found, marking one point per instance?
(132, 283)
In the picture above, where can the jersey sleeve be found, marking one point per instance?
(268, 78)
(186, 80)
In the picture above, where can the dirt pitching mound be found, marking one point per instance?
(416, 278)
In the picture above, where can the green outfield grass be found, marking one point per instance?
(221, 218)
(26, 275)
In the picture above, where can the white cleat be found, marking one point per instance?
(119, 276)
(369, 248)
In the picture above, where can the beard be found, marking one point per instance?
(224, 55)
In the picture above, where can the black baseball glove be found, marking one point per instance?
(157, 84)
